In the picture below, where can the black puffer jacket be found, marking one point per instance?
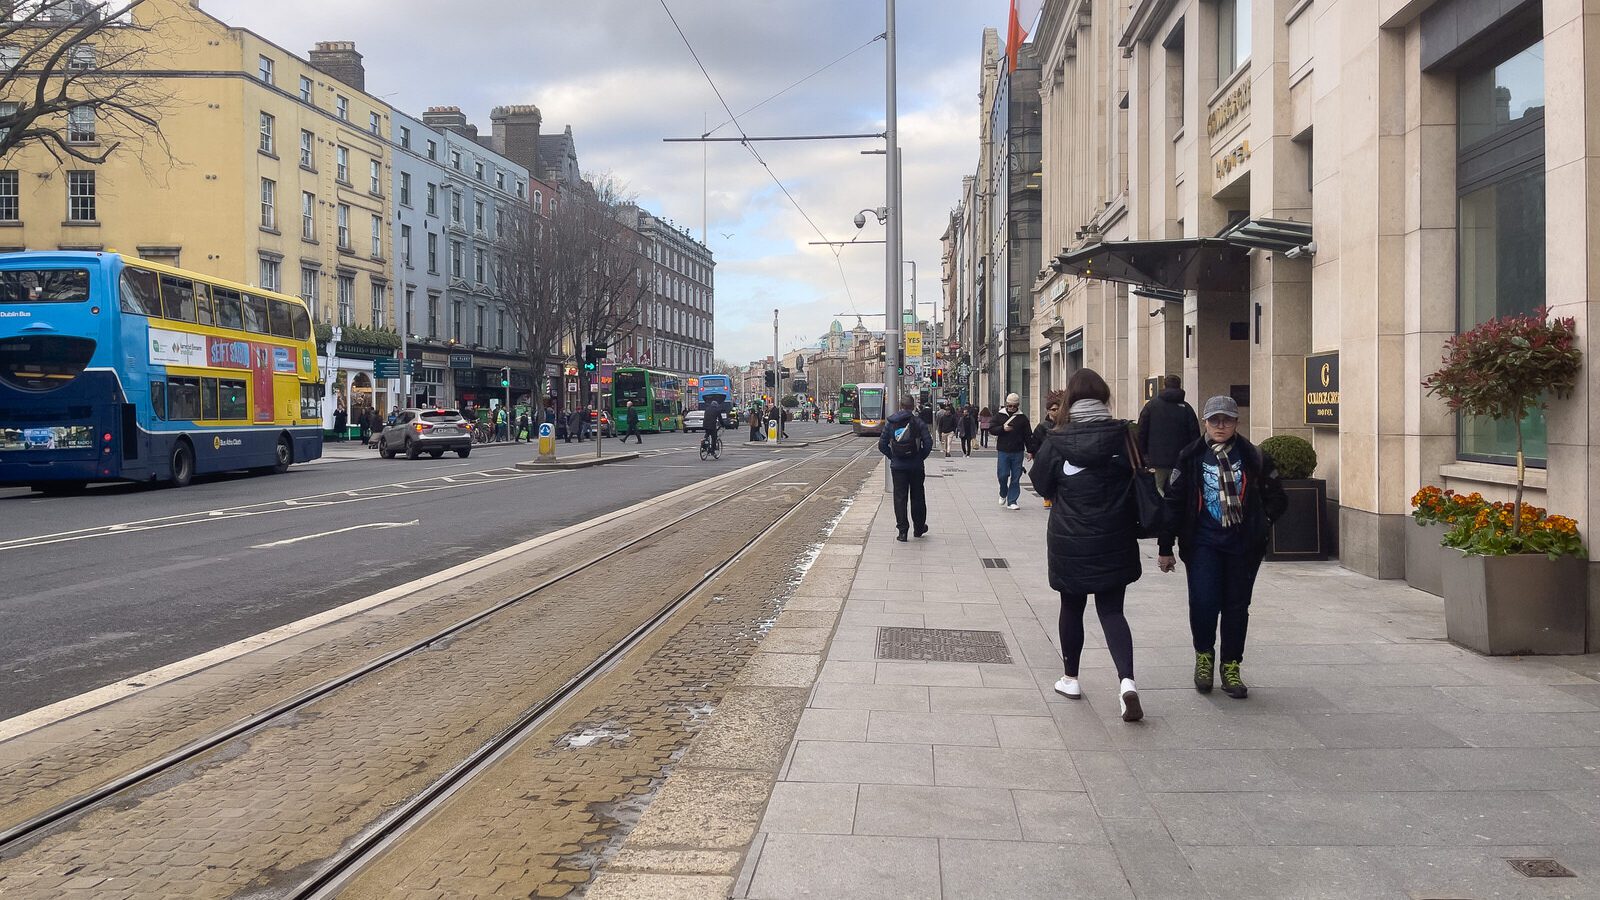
(1092, 537)
(1166, 425)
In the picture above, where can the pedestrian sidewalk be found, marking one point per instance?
(1371, 759)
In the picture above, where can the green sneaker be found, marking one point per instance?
(1232, 684)
(1203, 672)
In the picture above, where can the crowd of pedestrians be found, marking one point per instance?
(1217, 495)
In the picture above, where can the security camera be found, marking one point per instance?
(861, 220)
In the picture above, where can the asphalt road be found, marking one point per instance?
(122, 579)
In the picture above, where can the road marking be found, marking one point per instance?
(285, 543)
(63, 709)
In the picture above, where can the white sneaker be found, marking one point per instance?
(1068, 687)
(1131, 710)
(1002, 501)
(1012, 506)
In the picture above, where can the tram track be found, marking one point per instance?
(16, 839)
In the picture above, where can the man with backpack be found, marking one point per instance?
(906, 441)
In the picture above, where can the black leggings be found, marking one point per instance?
(1119, 639)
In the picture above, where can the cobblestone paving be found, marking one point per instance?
(259, 814)
(540, 823)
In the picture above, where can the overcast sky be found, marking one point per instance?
(618, 73)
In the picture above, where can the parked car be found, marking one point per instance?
(430, 431)
(602, 420)
(694, 420)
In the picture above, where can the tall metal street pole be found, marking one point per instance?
(777, 381)
(892, 301)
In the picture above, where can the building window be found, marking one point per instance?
(478, 334)
(308, 215)
(80, 125)
(1233, 36)
(405, 138)
(270, 274)
(500, 327)
(347, 299)
(1500, 216)
(310, 288)
(341, 107)
(10, 200)
(269, 143)
(433, 199)
(375, 170)
(477, 268)
(477, 216)
(522, 189)
(82, 60)
(500, 180)
(377, 236)
(269, 203)
(80, 197)
(7, 112)
(433, 253)
(375, 123)
(455, 207)
(411, 300)
(538, 201)
(305, 89)
(455, 160)
(455, 259)
(477, 170)
(10, 55)
(267, 69)
(499, 223)
(405, 188)
(344, 226)
(380, 298)
(405, 245)
(457, 310)
(341, 168)
(307, 156)
(433, 150)
(433, 315)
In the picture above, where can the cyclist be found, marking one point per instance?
(713, 424)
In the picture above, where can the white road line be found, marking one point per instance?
(63, 709)
(285, 543)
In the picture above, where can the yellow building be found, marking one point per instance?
(270, 169)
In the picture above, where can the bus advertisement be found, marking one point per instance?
(658, 397)
(869, 409)
(117, 369)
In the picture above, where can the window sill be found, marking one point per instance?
(1228, 83)
(1491, 473)
(81, 223)
(267, 229)
(342, 183)
(312, 241)
(267, 153)
(306, 168)
(11, 223)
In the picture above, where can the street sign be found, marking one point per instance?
(386, 367)
(461, 360)
(913, 344)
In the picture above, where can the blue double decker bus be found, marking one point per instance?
(118, 369)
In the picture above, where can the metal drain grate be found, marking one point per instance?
(1541, 868)
(994, 562)
(943, 645)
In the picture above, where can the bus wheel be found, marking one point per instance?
(285, 456)
(182, 465)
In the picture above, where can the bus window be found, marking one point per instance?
(177, 298)
(282, 318)
(43, 362)
(230, 310)
(158, 399)
(183, 399)
(302, 323)
(255, 314)
(202, 303)
(141, 293)
(44, 285)
(234, 402)
(310, 401)
(208, 399)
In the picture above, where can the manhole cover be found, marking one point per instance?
(1541, 868)
(994, 562)
(943, 645)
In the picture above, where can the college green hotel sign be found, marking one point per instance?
(1322, 389)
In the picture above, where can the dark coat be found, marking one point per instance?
(1092, 539)
(1017, 439)
(1264, 500)
(969, 424)
(633, 418)
(1166, 425)
(924, 441)
(947, 421)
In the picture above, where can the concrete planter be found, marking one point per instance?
(1516, 605)
(1425, 558)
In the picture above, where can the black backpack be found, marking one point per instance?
(903, 443)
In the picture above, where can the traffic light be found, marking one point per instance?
(770, 381)
(505, 376)
(883, 354)
(600, 351)
(589, 363)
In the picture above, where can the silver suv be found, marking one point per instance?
(430, 431)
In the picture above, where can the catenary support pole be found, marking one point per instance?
(892, 300)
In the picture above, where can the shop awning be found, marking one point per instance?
(1186, 264)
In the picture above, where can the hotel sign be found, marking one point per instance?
(1322, 389)
(1229, 109)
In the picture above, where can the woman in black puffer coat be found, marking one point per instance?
(1084, 468)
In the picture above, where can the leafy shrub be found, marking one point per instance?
(1296, 458)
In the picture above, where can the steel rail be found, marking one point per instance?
(37, 824)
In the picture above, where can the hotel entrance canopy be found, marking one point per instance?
(1220, 263)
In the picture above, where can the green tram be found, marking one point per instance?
(847, 404)
(657, 395)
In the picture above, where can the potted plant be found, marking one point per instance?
(1435, 510)
(1521, 585)
(1301, 533)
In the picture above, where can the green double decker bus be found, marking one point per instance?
(657, 395)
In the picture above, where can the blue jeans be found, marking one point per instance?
(1008, 467)
(1220, 586)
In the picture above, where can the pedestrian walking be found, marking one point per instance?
(501, 421)
(967, 428)
(631, 418)
(576, 424)
(524, 427)
(1092, 538)
(1166, 426)
(947, 427)
(1221, 502)
(1012, 432)
(985, 419)
(906, 441)
(341, 423)
(1052, 405)
(755, 424)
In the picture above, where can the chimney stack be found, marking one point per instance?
(516, 135)
(340, 60)
(450, 118)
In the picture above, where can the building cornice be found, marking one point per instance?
(1143, 21)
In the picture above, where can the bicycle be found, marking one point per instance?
(482, 433)
(710, 446)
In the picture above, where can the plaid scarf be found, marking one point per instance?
(1230, 498)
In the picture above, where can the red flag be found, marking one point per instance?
(1023, 14)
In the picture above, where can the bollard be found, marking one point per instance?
(547, 442)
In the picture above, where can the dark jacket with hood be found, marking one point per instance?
(924, 440)
(1261, 494)
(1016, 440)
(1092, 539)
(1166, 425)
